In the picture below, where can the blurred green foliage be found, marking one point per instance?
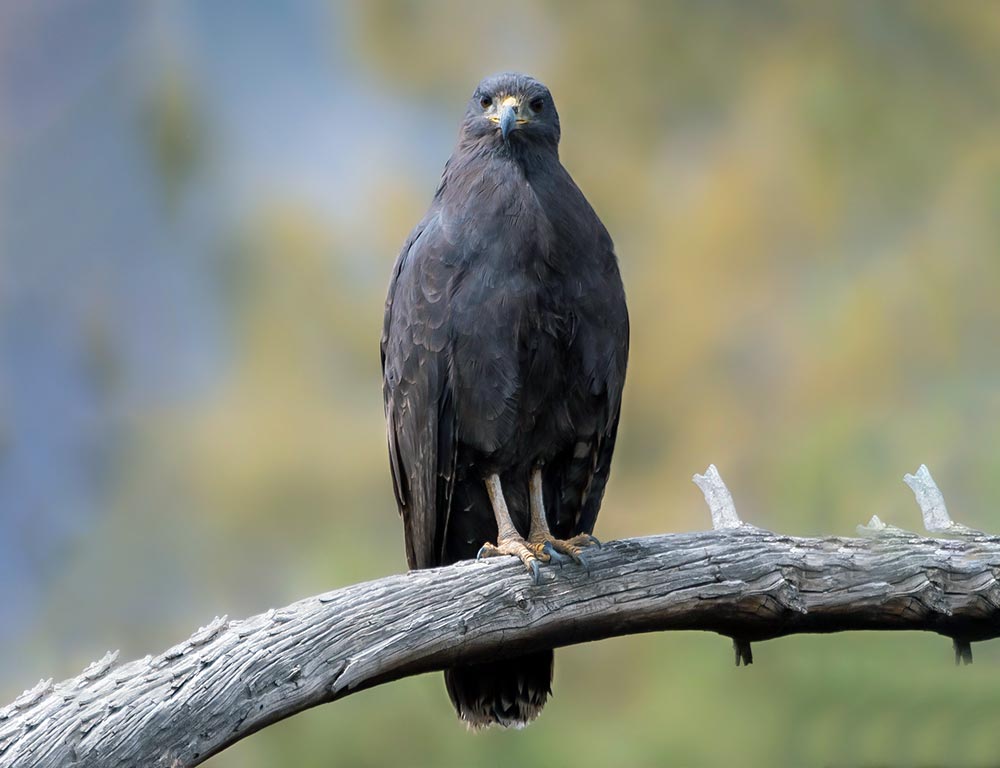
(806, 204)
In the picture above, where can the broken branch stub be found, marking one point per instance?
(719, 499)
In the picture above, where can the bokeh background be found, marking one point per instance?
(200, 203)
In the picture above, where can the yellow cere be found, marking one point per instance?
(514, 103)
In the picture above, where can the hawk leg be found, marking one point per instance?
(540, 546)
(509, 541)
(558, 550)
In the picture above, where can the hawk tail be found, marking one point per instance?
(509, 693)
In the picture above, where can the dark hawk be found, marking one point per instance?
(504, 350)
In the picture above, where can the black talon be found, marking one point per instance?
(595, 541)
(479, 554)
(535, 573)
(585, 562)
(554, 554)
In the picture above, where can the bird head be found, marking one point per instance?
(512, 109)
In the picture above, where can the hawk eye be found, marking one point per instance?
(486, 102)
(537, 104)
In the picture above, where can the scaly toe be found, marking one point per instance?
(585, 540)
(531, 555)
(567, 549)
(487, 550)
(555, 555)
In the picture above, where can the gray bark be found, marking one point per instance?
(232, 678)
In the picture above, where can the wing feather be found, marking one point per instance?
(416, 387)
(612, 382)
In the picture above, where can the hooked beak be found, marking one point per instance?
(508, 117)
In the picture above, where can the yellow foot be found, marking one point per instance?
(529, 554)
(562, 550)
(544, 550)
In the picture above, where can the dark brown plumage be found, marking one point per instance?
(504, 350)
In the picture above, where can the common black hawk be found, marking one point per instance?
(504, 349)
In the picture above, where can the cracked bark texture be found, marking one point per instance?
(232, 678)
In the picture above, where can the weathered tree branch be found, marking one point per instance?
(232, 678)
